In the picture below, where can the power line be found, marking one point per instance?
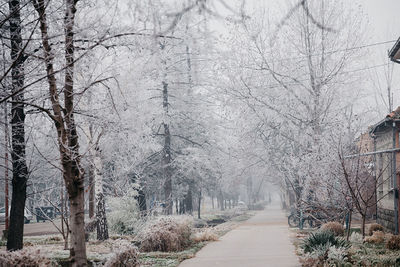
(344, 72)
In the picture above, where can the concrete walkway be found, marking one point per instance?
(262, 241)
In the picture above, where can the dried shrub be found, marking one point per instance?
(23, 258)
(207, 235)
(393, 243)
(378, 237)
(375, 227)
(166, 234)
(335, 227)
(126, 255)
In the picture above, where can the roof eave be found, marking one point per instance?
(394, 53)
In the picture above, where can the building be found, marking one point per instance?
(394, 53)
(387, 162)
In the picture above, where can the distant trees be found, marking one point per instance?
(293, 78)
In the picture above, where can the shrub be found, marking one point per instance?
(375, 227)
(166, 234)
(206, 235)
(126, 255)
(323, 238)
(124, 217)
(378, 237)
(309, 261)
(356, 237)
(334, 227)
(393, 243)
(23, 258)
(339, 254)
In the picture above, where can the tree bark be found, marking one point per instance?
(181, 206)
(142, 201)
(189, 201)
(91, 191)
(363, 224)
(199, 206)
(20, 170)
(221, 200)
(102, 227)
(77, 228)
(349, 225)
(6, 166)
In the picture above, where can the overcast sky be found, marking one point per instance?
(384, 25)
(384, 18)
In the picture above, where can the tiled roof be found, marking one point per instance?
(395, 114)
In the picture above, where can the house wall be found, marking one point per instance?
(365, 144)
(384, 169)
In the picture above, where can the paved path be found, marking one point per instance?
(262, 241)
(41, 228)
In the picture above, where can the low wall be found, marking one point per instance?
(386, 218)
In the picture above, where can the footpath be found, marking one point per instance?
(262, 241)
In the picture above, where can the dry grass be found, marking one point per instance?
(375, 227)
(378, 237)
(166, 234)
(126, 257)
(393, 243)
(206, 235)
(23, 258)
(335, 227)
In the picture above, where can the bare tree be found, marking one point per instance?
(63, 118)
(362, 185)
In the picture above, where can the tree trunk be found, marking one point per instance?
(363, 225)
(167, 170)
(199, 205)
(77, 228)
(189, 201)
(102, 227)
(221, 201)
(91, 191)
(6, 166)
(349, 226)
(142, 201)
(212, 201)
(20, 171)
(181, 206)
(64, 224)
